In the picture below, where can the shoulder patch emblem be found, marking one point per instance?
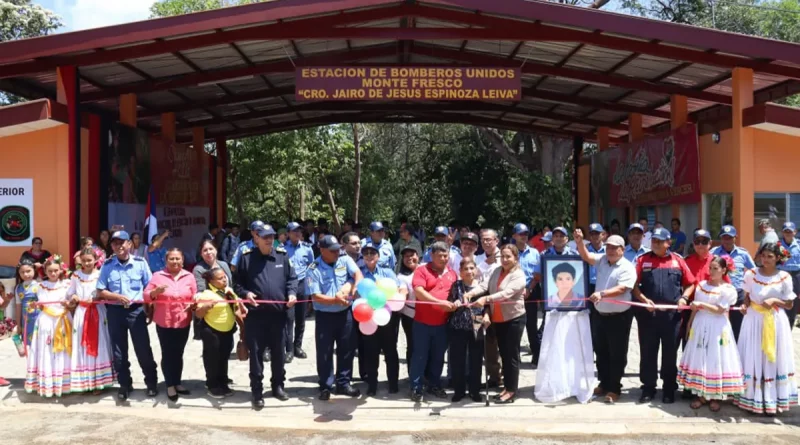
(280, 249)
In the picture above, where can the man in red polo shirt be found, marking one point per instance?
(431, 285)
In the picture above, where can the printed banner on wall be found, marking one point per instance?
(661, 169)
(179, 176)
(16, 212)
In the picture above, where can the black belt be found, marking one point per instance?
(609, 314)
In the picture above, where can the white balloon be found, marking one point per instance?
(368, 328)
(381, 316)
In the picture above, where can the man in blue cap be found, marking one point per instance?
(377, 238)
(245, 246)
(331, 282)
(547, 241)
(301, 255)
(662, 278)
(742, 262)
(445, 235)
(595, 246)
(792, 265)
(265, 273)
(635, 247)
(122, 280)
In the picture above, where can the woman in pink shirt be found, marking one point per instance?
(172, 319)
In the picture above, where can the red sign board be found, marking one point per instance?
(662, 169)
(417, 83)
(179, 173)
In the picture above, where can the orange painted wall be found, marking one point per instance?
(776, 161)
(42, 156)
(715, 177)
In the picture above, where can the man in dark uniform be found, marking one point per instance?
(662, 278)
(265, 273)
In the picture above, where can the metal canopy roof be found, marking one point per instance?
(232, 70)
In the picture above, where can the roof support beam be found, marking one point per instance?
(451, 107)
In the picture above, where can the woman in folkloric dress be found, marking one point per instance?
(765, 341)
(92, 369)
(710, 367)
(49, 357)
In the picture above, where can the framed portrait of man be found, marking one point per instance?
(565, 283)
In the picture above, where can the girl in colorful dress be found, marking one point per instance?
(710, 367)
(765, 342)
(26, 292)
(91, 351)
(49, 356)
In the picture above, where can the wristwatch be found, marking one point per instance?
(602, 294)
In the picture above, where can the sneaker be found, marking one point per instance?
(611, 398)
(227, 391)
(216, 393)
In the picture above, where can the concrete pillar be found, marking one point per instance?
(222, 180)
(742, 157)
(128, 113)
(679, 116)
(168, 126)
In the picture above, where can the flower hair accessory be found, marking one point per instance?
(729, 263)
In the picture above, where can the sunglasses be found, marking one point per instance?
(702, 241)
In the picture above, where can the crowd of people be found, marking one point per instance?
(468, 300)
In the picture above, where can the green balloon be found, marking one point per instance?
(376, 299)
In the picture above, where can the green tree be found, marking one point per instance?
(21, 19)
(167, 8)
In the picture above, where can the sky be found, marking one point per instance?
(84, 14)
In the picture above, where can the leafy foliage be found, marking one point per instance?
(168, 8)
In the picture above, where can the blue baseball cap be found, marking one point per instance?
(561, 230)
(329, 242)
(702, 233)
(635, 226)
(789, 226)
(441, 230)
(292, 226)
(375, 226)
(547, 237)
(596, 227)
(256, 224)
(727, 231)
(265, 230)
(661, 234)
(369, 245)
(120, 235)
(521, 228)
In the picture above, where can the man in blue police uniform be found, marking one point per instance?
(301, 255)
(122, 280)
(528, 260)
(377, 237)
(792, 265)
(635, 247)
(331, 282)
(662, 278)
(245, 246)
(265, 273)
(742, 262)
(444, 235)
(385, 338)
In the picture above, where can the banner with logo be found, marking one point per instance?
(658, 170)
(16, 212)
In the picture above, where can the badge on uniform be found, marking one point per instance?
(675, 263)
(647, 267)
(341, 269)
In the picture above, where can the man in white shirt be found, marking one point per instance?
(487, 262)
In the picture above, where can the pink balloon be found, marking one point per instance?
(368, 328)
(395, 305)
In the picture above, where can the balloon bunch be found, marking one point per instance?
(377, 300)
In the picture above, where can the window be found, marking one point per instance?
(717, 211)
(771, 206)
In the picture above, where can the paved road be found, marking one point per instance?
(198, 419)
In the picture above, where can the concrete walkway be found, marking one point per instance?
(392, 413)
